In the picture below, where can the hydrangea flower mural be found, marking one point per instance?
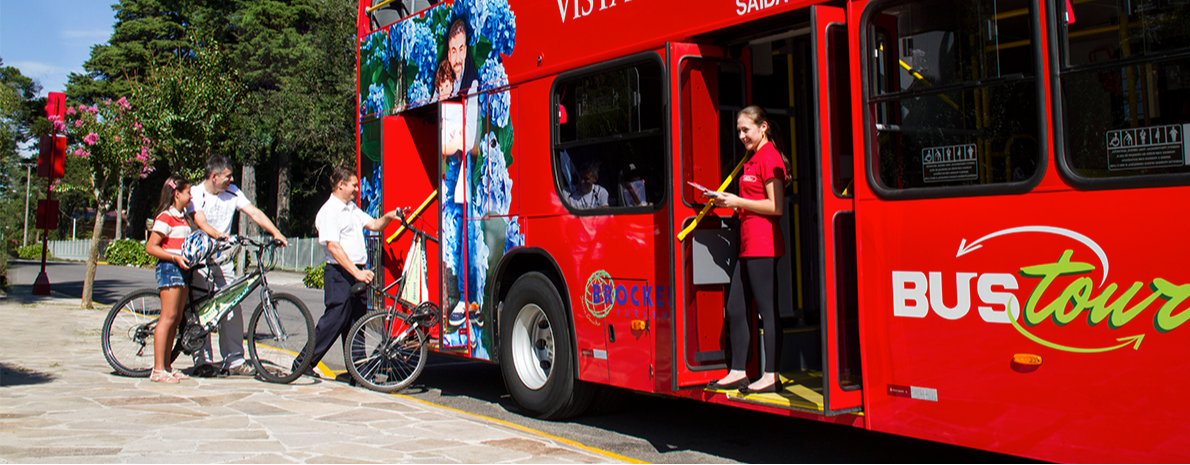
(495, 104)
(496, 184)
(398, 65)
(370, 199)
(499, 26)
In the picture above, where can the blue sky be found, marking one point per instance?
(49, 39)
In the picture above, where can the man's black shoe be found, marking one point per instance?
(346, 377)
(206, 371)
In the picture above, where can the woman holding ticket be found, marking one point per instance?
(759, 206)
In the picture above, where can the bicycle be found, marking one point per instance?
(386, 350)
(280, 330)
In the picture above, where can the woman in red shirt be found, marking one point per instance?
(759, 205)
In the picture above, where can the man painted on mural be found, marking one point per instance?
(459, 57)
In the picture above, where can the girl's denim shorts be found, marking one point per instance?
(170, 275)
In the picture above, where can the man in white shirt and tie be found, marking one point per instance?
(341, 226)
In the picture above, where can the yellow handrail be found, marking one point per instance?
(378, 6)
(706, 208)
(412, 217)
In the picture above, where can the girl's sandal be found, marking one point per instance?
(178, 375)
(162, 376)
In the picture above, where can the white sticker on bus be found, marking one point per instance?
(1150, 147)
(950, 163)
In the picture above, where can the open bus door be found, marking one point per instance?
(708, 86)
(706, 90)
(834, 171)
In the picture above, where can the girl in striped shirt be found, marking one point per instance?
(170, 229)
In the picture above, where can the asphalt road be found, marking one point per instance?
(649, 428)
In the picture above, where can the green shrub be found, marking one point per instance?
(313, 278)
(128, 252)
(33, 252)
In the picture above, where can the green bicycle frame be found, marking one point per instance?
(220, 301)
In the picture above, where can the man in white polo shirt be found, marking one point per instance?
(214, 203)
(341, 226)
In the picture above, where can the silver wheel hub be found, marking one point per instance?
(532, 346)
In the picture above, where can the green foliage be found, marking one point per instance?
(147, 33)
(129, 252)
(33, 252)
(20, 108)
(313, 278)
(187, 106)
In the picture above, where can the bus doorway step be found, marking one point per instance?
(800, 390)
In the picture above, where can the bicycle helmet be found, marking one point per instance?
(197, 248)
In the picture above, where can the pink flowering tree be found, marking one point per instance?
(116, 150)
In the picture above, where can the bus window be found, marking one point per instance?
(952, 95)
(609, 139)
(384, 12)
(1125, 91)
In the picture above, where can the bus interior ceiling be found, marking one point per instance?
(780, 71)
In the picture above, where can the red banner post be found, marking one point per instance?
(52, 162)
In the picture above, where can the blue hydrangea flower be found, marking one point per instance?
(393, 49)
(497, 186)
(499, 26)
(370, 192)
(495, 104)
(418, 93)
(477, 261)
(419, 49)
(476, 11)
(374, 48)
(375, 101)
(512, 234)
(452, 220)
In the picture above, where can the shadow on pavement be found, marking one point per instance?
(15, 375)
(673, 425)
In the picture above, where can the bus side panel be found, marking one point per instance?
(407, 182)
(535, 194)
(1088, 366)
(618, 295)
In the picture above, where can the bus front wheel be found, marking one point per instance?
(536, 355)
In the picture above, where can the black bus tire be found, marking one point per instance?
(536, 355)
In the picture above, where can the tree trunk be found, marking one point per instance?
(247, 228)
(93, 255)
(136, 218)
(283, 192)
(120, 212)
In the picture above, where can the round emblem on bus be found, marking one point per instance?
(598, 301)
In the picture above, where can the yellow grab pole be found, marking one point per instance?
(412, 217)
(379, 5)
(706, 208)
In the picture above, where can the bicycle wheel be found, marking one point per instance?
(128, 333)
(281, 339)
(384, 353)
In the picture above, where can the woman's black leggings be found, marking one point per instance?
(759, 276)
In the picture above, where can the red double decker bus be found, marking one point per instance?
(986, 230)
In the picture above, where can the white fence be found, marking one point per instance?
(76, 250)
(301, 253)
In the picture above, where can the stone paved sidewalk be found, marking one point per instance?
(60, 402)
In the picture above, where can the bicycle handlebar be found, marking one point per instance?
(414, 229)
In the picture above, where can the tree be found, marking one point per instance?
(298, 63)
(19, 110)
(188, 106)
(109, 137)
(147, 33)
